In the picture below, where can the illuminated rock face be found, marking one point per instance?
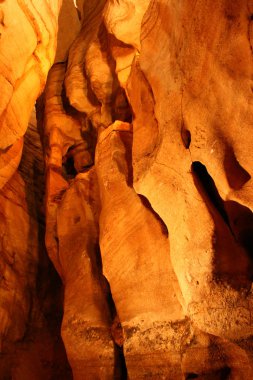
(147, 141)
(30, 290)
(28, 43)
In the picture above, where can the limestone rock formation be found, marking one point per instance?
(144, 197)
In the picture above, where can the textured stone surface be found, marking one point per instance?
(30, 290)
(146, 126)
(202, 115)
(72, 207)
(69, 23)
(28, 42)
(132, 235)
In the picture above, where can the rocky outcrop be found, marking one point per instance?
(146, 130)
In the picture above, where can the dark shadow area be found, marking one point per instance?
(127, 140)
(189, 376)
(120, 370)
(43, 335)
(206, 186)
(123, 373)
(186, 136)
(232, 239)
(241, 223)
(236, 175)
(219, 374)
(68, 167)
(147, 205)
(121, 109)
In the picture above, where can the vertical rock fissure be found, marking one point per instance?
(238, 272)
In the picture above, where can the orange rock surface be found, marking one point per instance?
(136, 172)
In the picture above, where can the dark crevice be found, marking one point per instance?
(241, 223)
(121, 109)
(206, 186)
(233, 234)
(225, 373)
(127, 140)
(68, 167)
(123, 374)
(148, 205)
(47, 289)
(120, 369)
(186, 136)
(236, 175)
(191, 375)
(219, 374)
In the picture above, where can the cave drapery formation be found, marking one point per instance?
(126, 152)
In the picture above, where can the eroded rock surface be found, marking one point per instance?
(146, 126)
(30, 290)
(197, 162)
(145, 272)
(72, 237)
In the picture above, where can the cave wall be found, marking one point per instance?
(137, 173)
(31, 291)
